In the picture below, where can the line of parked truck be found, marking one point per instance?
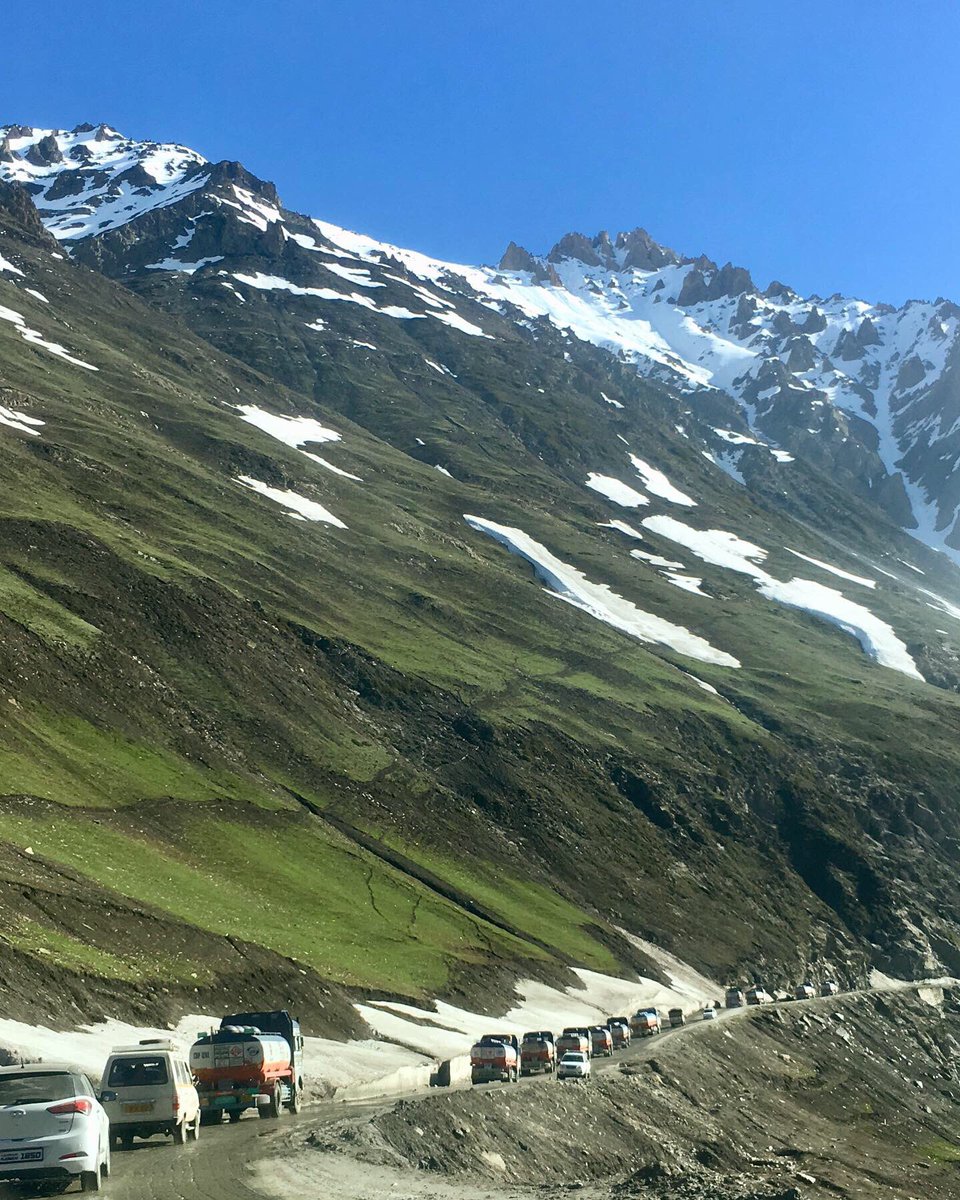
(505, 1057)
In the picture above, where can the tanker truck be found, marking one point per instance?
(254, 1060)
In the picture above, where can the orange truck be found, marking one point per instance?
(495, 1057)
(573, 1040)
(254, 1060)
(538, 1055)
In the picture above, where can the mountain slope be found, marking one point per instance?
(245, 616)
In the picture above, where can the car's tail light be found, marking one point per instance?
(70, 1107)
(75, 1154)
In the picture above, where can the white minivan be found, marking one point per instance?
(148, 1089)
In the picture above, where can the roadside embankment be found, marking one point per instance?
(853, 1096)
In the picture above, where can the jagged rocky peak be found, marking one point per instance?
(628, 251)
(642, 253)
(633, 250)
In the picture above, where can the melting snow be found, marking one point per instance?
(723, 549)
(356, 275)
(622, 527)
(613, 489)
(612, 403)
(292, 431)
(597, 599)
(330, 467)
(183, 268)
(6, 265)
(299, 507)
(689, 583)
(36, 295)
(655, 560)
(875, 636)
(659, 485)
(36, 339)
(18, 420)
(867, 583)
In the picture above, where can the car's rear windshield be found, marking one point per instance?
(36, 1087)
(141, 1071)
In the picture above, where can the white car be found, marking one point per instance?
(574, 1065)
(709, 1013)
(53, 1129)
(148, 1089)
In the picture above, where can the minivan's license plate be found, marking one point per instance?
(137, 1108)
(18, 1156)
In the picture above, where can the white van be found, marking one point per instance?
(148, 1089)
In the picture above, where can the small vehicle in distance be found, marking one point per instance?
(620, 1030)
(601, 1041)
(829, 988)
(537, 1053)
(734, 998)
(573, 1041)
(709, 1013)
(758, 995)
(149, 1089)
(805, 991)
(575, 1065)
(677, 1018)
(494, 1059)
(53, 1129)
(645, 1022)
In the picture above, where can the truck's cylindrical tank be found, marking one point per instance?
(240, 1056)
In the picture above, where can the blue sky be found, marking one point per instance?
(813, 142)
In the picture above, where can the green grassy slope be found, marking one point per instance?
(385, 753)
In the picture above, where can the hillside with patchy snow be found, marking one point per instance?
(316, 542)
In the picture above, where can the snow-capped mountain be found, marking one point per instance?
(526, 556)
(861, 390)
(864, 388)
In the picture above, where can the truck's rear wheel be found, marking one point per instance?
(212, 1116)
(235, 1114)
(275, 1106)
(296, 1097)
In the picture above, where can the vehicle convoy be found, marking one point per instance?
(575, 1065)
(494, 1059)
(573, 1041)
(254, 1060)
(620, 1030)
(601, 1041)
(645, 1022)
(805, 991)
(758, 995)
(149, 1089)
(53, 1129)
(677, 1018)
(734, 998)
(538, 1054)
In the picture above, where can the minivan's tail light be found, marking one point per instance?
(176, 1104)
(70, 1107)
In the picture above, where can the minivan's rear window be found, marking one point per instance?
(35, 1087)
(137, 1072)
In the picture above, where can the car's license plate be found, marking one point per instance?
(137, 1108)
(21, 1156)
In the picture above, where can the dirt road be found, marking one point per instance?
(222, 1164)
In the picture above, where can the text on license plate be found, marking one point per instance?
(19, 1156)
(137, 1108)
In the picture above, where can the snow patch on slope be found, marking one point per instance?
(597, 599)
